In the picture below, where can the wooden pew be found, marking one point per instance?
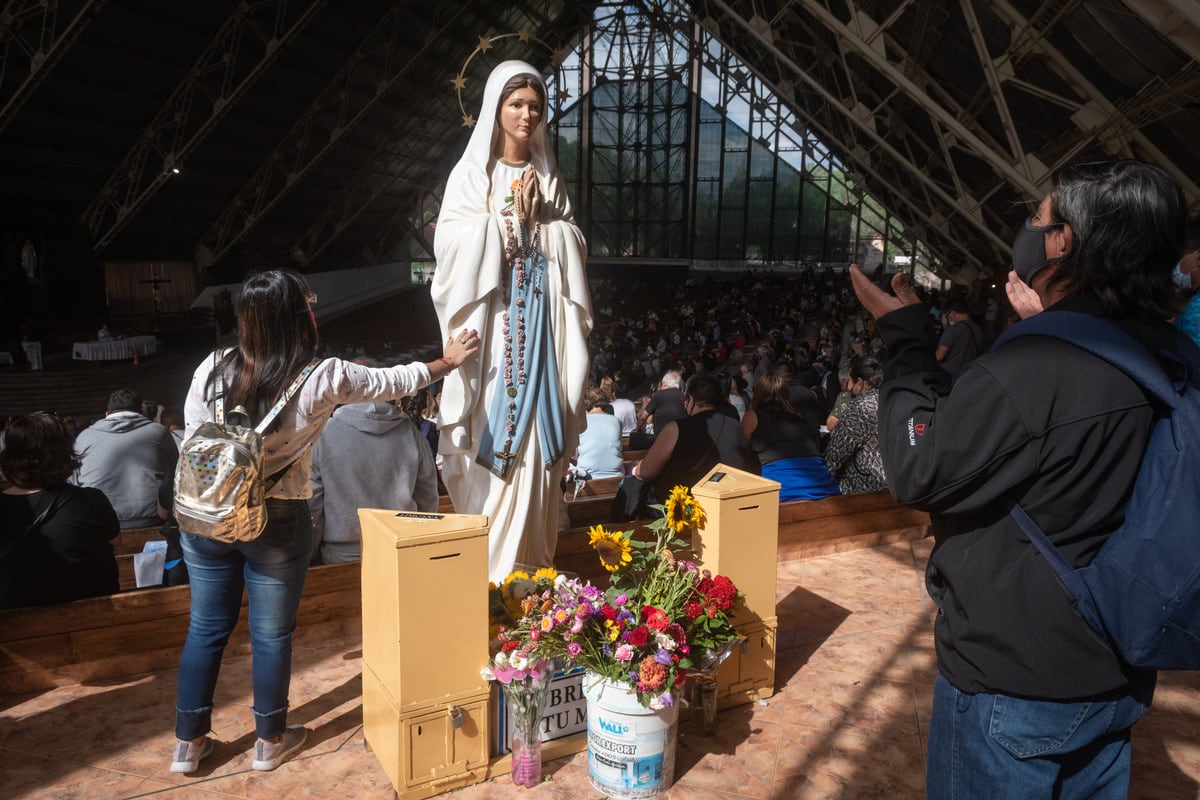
(134, 540)
(807, 528)
(134, 632)
(847, 522)
(128, 543)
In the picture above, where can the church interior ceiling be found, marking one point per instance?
(319, 134)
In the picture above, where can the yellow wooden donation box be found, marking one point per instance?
(425, 618)
(741, 541)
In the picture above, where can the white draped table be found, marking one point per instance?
(115, 349)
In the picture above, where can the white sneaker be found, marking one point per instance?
(188, 755)
(269, 755)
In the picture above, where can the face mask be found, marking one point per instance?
(1029, 249)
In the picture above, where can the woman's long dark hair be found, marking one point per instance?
(277, 336)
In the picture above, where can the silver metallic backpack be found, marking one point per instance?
(220, 488)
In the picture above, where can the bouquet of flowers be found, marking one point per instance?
(648, 626)
(522, 672)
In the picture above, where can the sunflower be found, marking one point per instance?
(516, 575)
(613, 548)
(677, 512)
(545, 574)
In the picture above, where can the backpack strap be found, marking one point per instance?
(220, 399)
(261, 428)
(1107, 341)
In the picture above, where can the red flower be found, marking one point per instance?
(655, 618)
(510, 645)
(680, 677)
(638, 636)
(722, 593)
(692, 609)
(704, 585)
(609, 612)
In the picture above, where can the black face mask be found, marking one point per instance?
(1029, 249)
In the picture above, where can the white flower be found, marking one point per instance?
(664, 642)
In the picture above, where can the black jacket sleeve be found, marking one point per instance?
(947, 450)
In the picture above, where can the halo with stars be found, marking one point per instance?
(459, 81)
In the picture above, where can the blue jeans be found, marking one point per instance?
(996, 746)
(272, 569)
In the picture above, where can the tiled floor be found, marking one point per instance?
(854, 675)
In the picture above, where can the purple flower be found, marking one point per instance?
(666, 699)
(620, 600)
(663, 657)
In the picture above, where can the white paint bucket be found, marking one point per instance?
(631, 748)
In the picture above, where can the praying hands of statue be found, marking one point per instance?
(875, 300)
(529, 204)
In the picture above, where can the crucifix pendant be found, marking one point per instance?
(506, 456)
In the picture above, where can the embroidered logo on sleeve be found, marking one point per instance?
(915, 429)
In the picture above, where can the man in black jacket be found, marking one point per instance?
(1029, 701)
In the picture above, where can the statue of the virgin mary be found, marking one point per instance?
(511, 264)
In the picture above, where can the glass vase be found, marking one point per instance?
(705, 689)
(525, 700)
(704, 684)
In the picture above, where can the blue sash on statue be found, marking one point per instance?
(537, 396)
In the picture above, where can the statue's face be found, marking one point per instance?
(520, 114)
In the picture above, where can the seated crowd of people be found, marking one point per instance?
(778, 376)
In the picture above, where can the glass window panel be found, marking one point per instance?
(732, 232)
(762, 161)
(706, 207)
(734, 194)
(758, 220)
(838, 235)
(738, 112)
(709, 150)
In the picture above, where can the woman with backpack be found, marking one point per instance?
(277, 342)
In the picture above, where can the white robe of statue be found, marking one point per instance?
(468, 292)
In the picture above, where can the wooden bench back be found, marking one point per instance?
(139, 631)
